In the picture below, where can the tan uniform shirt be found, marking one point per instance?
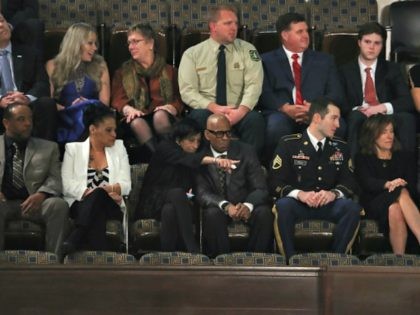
(198, 72)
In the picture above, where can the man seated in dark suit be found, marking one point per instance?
(23, 80)
(311, 175)
(293, 76)
(240, 194)
(30, 178)
(373, 85)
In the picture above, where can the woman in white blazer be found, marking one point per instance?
(96, 174)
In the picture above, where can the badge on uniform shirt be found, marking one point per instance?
(300, 156)
(254, 55)
(277, 162)
(337, 157)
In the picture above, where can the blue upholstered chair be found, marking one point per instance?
(27, 257)
(323, 259)
(250, 259)
(174, 259)
(393, 260)
(99, 258)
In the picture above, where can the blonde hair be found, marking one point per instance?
(69, 58)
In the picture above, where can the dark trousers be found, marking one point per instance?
(279, 124)
(345, 213)
(250, 129)
(90, 216)
(215, 232)
(176, 223)
(405, 131)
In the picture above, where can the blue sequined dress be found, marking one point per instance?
(70, 125)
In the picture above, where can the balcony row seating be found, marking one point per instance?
(238, 259)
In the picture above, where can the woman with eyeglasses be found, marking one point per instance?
(78, 78)
(169, 183)
(387, 178)
(96, 174)
(145, 89)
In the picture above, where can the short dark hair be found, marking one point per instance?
(185, 128)
(8, 111)
(371, 130)
(372, 28)
(320, 106)
(284, 21)
(96, 113)
(144, 29)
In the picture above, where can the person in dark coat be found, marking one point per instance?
(237, 195)
(387, 182)
(168, 185)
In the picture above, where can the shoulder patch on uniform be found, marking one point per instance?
(277, 162)
(255, 56)
(351, 166)
(293, 136)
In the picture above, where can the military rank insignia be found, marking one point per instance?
(277, 162)
(351, 167)
(254, 55)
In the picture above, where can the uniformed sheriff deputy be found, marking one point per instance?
(312, 177)
(198, 78)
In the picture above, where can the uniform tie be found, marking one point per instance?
(221, 77)
(370, 92)
(17, 178)
(6, 73)
(297, 75)
(319, 150)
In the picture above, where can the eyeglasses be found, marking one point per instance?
(221, 133)
(134, 42)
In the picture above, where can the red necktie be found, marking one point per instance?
(297, 75)
(370, 92)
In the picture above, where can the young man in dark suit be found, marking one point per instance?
(373, 85)
(240, 194)
(294, 75)
(27, 82)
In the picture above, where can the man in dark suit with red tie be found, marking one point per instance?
(373, 85)
(237, 195)
(294, 76)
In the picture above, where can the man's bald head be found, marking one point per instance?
(216, 120)
(218, 132)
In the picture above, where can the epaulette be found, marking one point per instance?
(293, 136)
(338, 139)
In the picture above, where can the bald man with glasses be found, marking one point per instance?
(238, 195)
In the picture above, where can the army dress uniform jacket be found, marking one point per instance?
(296, 165)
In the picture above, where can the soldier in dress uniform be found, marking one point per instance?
(312, 176)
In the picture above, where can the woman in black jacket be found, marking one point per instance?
(168, 185)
